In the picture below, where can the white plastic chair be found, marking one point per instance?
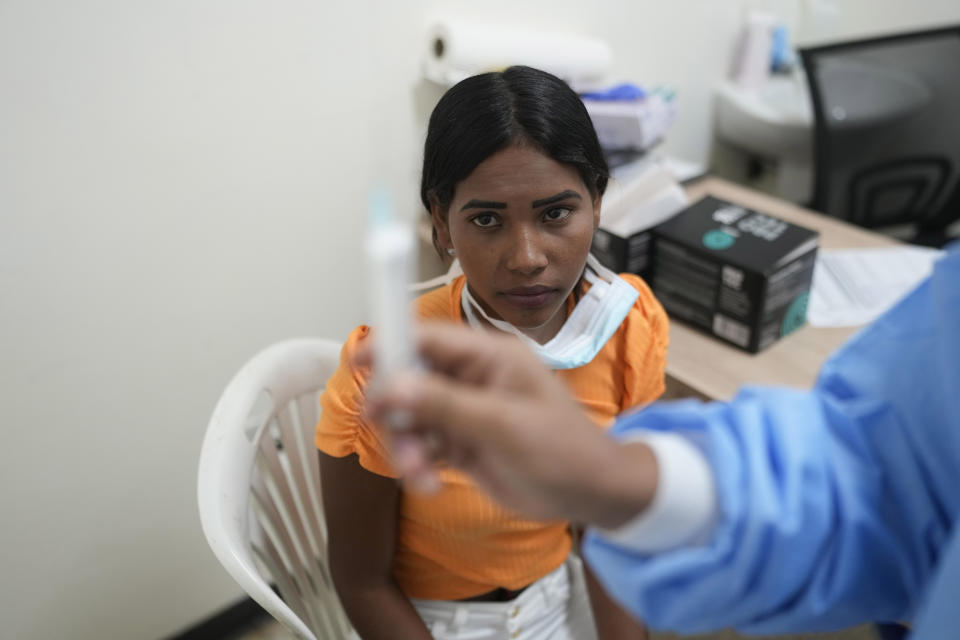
(259, 487)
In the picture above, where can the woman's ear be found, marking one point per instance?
(597, 203)
(438, 216)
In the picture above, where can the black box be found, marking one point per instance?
(738, 274)
(622, 255)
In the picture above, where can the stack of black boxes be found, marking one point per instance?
(737, 274)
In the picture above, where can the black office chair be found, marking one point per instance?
(887, 130)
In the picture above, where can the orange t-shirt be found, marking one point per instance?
(458, 543)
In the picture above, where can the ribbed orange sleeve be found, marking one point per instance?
(342, 429)
(647, 336)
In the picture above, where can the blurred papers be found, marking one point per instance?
(853, 287)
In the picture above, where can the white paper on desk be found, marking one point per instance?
(853, 287)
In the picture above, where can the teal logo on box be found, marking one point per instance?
(796, 314)
(717, 240)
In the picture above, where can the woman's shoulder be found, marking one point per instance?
(636, 282)
(646, 306)
(442, 303)
(342, 428)
(645, 335)
(347, 369)
(439, 304)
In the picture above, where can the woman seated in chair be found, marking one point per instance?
(513, 178)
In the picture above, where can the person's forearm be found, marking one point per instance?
(382, 612)
(617, 483)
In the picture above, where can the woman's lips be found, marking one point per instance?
(529, 297)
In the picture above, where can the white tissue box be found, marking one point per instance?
(632, 206)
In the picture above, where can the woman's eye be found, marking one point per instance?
(556, 215)
(484, 220)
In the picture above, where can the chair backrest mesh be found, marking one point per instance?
(887, 135)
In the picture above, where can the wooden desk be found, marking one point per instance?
(698, 364)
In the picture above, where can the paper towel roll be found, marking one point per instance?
(457, 50)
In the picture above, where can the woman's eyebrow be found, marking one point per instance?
(483, 204)
(563, 195)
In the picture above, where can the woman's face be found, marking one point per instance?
(521, 225)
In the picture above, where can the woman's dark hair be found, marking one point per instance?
(492, 111)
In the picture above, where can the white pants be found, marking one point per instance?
(555, 607)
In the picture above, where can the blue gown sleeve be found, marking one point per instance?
(834, 504)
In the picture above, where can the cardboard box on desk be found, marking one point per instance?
(738, 274)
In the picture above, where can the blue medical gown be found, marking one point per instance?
(836, 505)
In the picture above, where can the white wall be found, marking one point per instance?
(182, 183)
(864, 18)
(178, 180)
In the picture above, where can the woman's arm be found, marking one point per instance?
(361, 510)
(612, 621)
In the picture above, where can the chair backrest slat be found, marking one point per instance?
(308, 411)
(294, 480)
(299, 477)
(269, 517)
(268, 555)
(277, 478)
